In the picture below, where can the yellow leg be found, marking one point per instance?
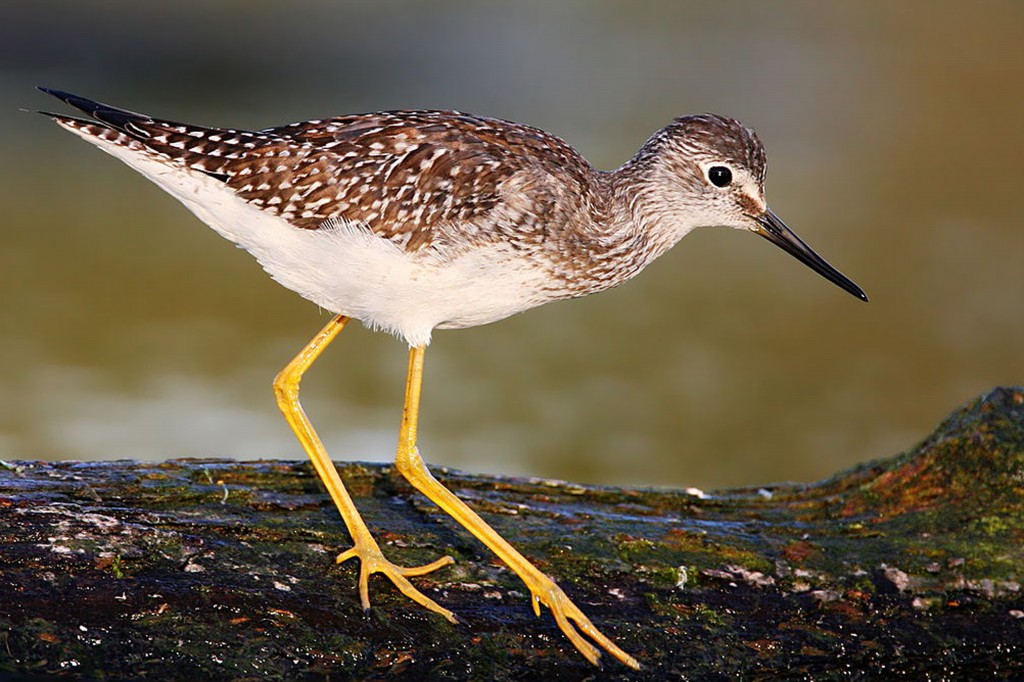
(543, 589)
(286, 387)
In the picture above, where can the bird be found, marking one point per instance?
(414, 220)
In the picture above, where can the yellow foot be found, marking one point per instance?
(371, 561)
(545, 591)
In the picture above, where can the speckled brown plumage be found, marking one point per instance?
(411, 176)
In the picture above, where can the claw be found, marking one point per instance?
(371, 561)
(566, 613)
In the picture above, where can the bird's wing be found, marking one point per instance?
(417, 178)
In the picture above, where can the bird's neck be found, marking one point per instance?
(633, 214)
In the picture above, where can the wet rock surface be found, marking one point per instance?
(904, 568)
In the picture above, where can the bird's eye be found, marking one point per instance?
(720, 176)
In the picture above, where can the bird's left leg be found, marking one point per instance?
(543, 588)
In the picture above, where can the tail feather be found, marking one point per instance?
(194, 146)
(113, 117)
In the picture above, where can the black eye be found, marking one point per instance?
(720, 176)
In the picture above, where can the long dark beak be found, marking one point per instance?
(775, 231)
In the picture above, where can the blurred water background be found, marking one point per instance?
(130, 330)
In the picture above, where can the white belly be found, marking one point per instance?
(349, 270)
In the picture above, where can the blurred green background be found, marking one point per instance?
(896, 147)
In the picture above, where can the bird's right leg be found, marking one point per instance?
(286, 387)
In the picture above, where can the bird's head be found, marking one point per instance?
(709, 171)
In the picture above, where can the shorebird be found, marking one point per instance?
(411, 221)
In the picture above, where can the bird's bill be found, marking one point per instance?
(775, 231)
